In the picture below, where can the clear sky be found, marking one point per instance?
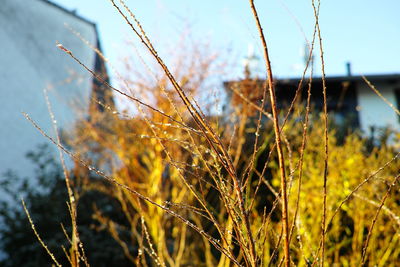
(364, 32)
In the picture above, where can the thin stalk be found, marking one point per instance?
(325, 175)
(211, 137)
(114, 180)
(75, 240)
(277, 137)
(305, 129)
(365, 247)
(37, 234)
(354, 191)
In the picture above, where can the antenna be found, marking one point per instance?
(305, 52)
(250, 63)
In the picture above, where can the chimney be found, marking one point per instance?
(348, 68)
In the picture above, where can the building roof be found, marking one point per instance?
(70, 12)
(352, 78)
(98, 90)
(31, 62)
(390, 78)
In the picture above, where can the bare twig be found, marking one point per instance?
(325, 111)
(210, 135)
(114, 181)
(376, 91)
(75, 255)
(37, 234)
(371, 228)
(277, 136)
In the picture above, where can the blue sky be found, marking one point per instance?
(364, 32)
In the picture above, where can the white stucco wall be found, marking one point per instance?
(30, 61)
(373, 111)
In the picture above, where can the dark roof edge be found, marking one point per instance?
(69, 12)
(353, 78)
(372, 77)
(101, 91)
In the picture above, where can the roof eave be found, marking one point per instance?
(70, 12)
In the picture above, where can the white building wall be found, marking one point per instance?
(30, 61)
(373, 111)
